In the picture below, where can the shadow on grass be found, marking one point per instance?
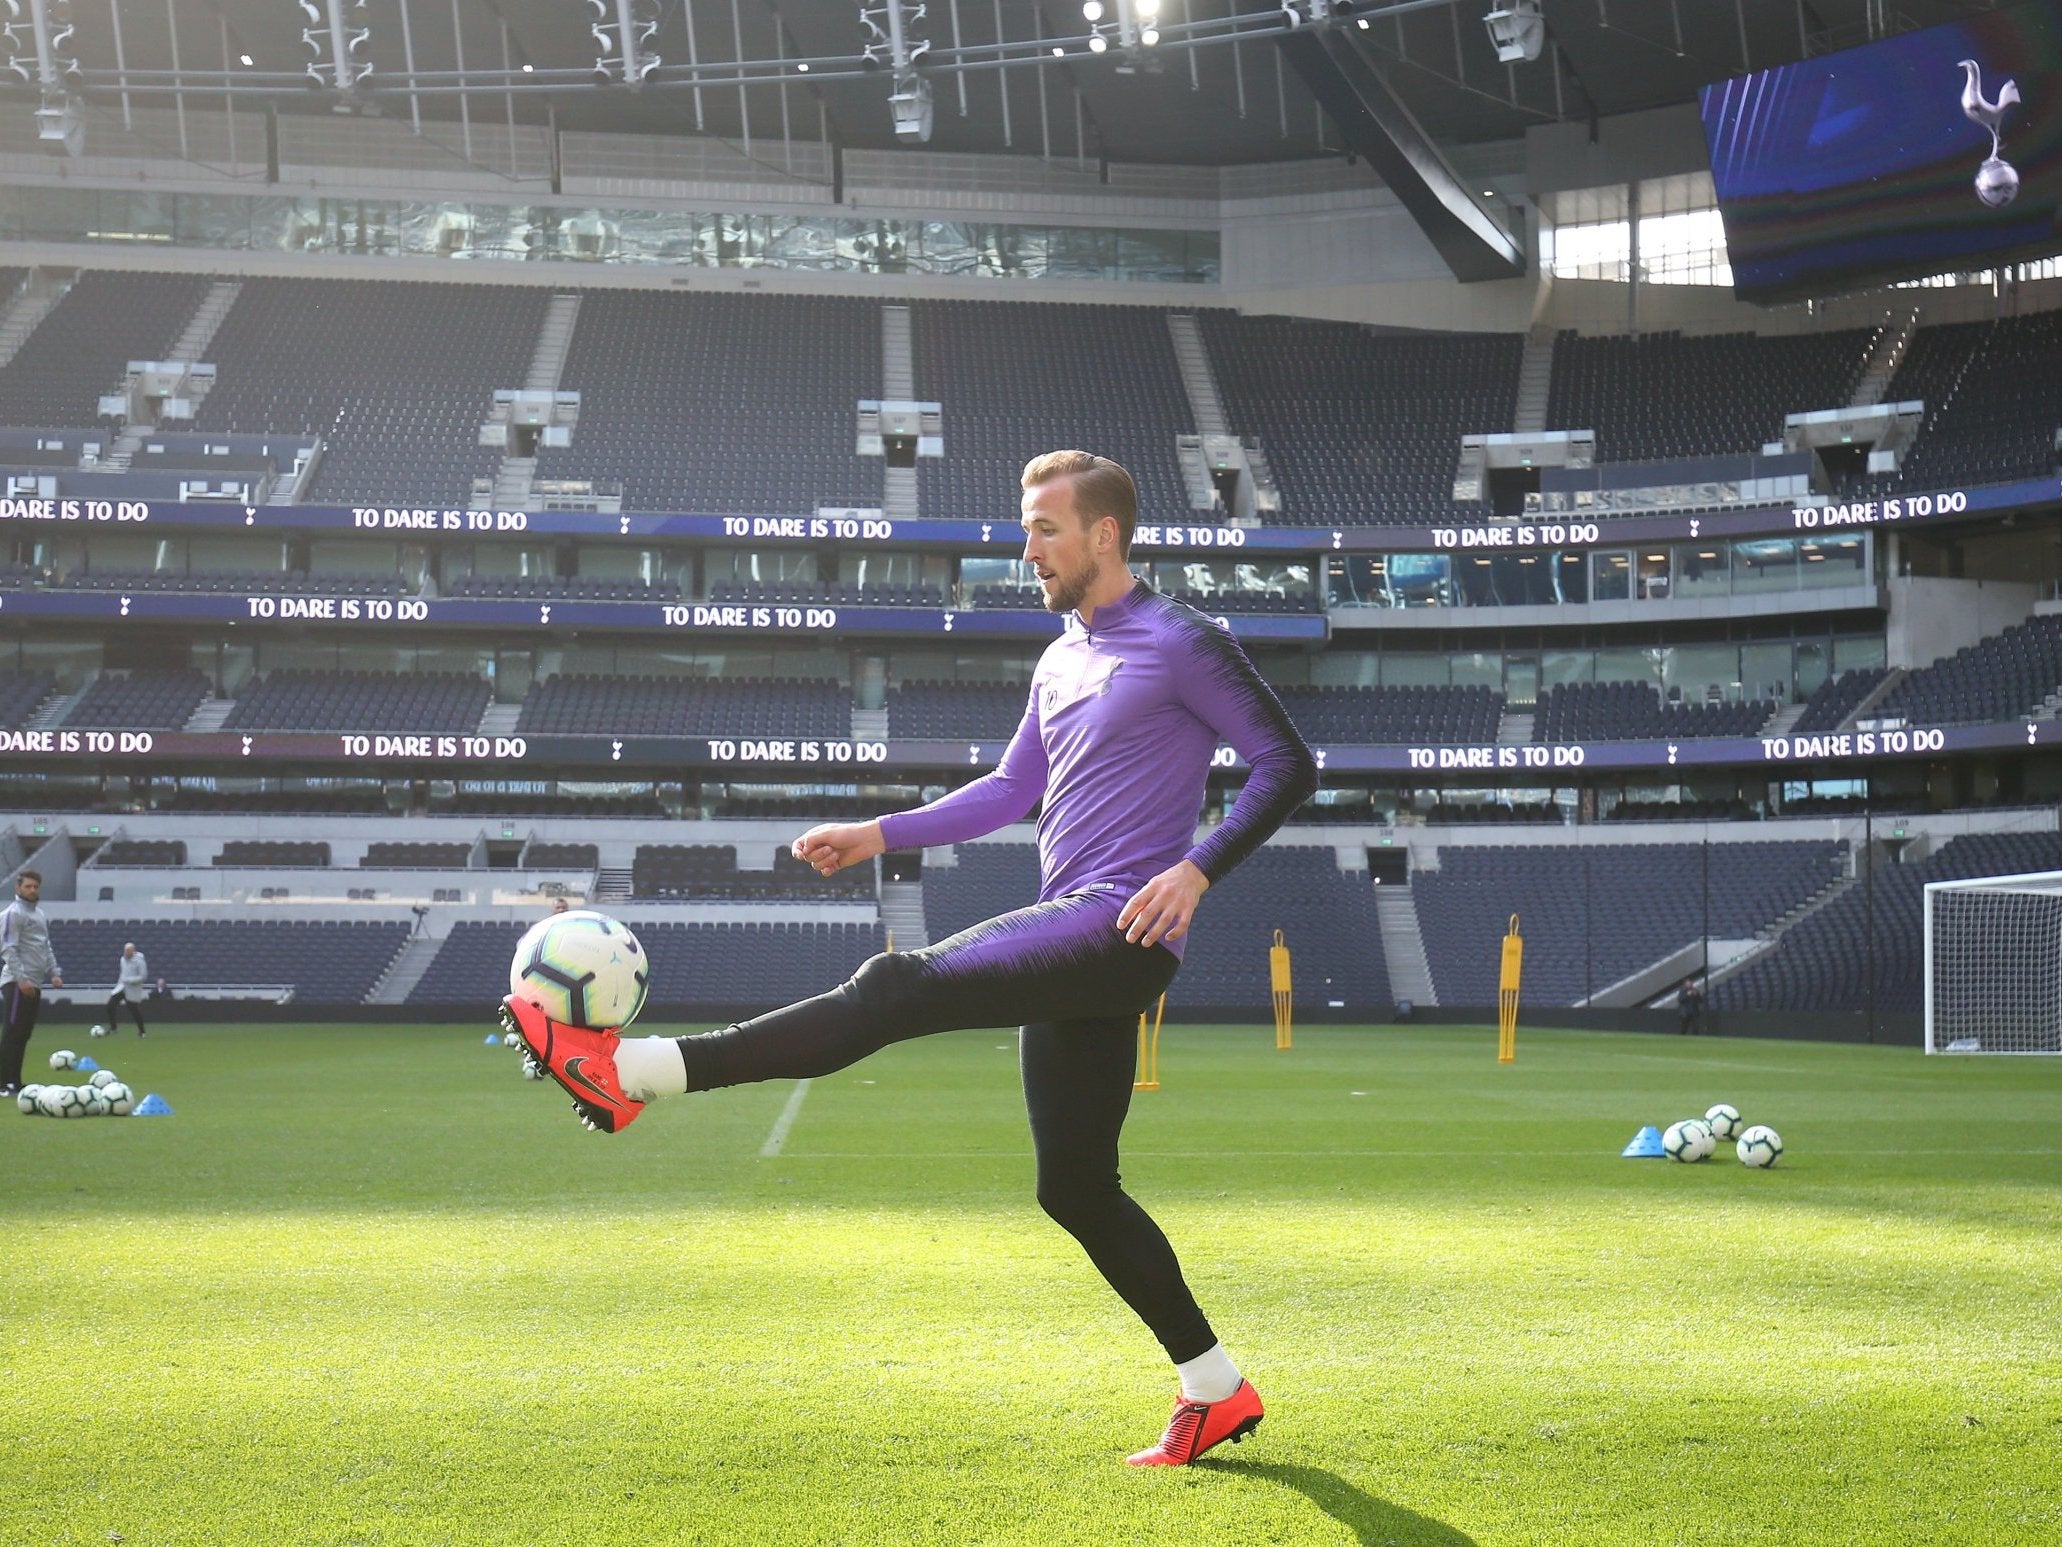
(1374, 1522)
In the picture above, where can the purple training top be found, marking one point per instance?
(1117, 738)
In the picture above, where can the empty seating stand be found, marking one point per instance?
(22, 694)
(721, 402)
(1403, 713)
(956, 711)
(1594, 914)
(1362, 427)
(1012, 376)
(141, 852)
(721, 966)
(83, 347)
(140, 700)
(324, 962)
(1657, 396)
(416, 856)
(571, 703)
(418, 703)
(1636, 711)
(697, 872)
(272, 854)
(1327, 919)
(1833, 700)
(323, 355)
(561, 856)
(1999, 678)
(1822, 961)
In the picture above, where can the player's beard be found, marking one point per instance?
(1069, 590)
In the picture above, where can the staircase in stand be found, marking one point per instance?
(1514, 730)
(902, 914)
(404, 971)
(499, 720)
(554, 338)
(55, 708)
(31, 304)
(209, 715)
(899, 495)
(1403, 944)
(1535, 382)
(1197, 379)
(199, 332)
(611, 884)
(1886, 352)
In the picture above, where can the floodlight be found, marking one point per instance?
(1517, 30)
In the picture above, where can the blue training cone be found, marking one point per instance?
(492, 1040)
(86, 1065)
(152, 1105)
(1646, 1145)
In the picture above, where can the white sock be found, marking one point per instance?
(1210, 1376)
(650, 1067)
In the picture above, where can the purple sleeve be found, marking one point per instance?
(994, 800)
(1221, 688)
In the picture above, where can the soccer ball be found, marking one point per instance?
(103, 1077)
(98, 1031)
(121, 1101)
(1724, 1121)
(93, 1098)
(532, 1070)
(61, 1101)
(1759, 1146)
(582, 969)
(63, 1058)
(1686, 1141)
(1707, 1141)
(25, 1099)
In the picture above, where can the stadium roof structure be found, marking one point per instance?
(1214, 91)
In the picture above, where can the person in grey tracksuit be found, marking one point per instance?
(26, 961)
(132, 987)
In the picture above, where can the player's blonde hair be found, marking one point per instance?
(1101, 489)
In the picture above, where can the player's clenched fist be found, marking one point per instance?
(834, 845)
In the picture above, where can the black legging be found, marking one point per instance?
(115, 1001)
(19, 1012)
(1062, 970)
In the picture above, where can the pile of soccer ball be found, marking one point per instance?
(1694, 1138)
(103, 1095)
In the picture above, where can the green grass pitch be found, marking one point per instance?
(370, 1286)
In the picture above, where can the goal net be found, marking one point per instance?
(1994, 965)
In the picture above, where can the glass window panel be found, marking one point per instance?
(1768, 564)
(1703, 569)
(1611, 575)
(1859, 652)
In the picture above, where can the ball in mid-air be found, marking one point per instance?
(1685, 1141)
(98, 1031)
(121, 1100)
(1760, 1146)
(63, 1058)
(1724, 1121)
(582, 969)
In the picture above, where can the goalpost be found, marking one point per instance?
(1994, 964)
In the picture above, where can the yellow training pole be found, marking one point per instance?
(1149, 1049)
(1284, 994)
(1507, 994)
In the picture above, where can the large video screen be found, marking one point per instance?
(1935, 151)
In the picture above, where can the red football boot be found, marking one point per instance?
(1198, 1426)
(583, 1062)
